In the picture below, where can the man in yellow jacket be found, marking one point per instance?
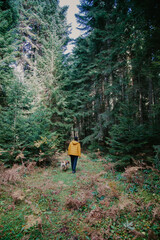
(74, 150)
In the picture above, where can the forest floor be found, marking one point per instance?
(95, 203)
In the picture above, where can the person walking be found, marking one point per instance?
(74, 151)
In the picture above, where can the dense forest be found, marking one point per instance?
(106, 91)
(34, 115)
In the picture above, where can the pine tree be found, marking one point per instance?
(8, 16)
(116, 68)
(34, 121)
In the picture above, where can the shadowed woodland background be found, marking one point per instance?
(107, 91)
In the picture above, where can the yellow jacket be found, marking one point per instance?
(74, 148)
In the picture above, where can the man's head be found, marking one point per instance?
(76, 138)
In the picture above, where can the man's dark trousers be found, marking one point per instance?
(74, 163)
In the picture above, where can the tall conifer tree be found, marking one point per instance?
(116, 68)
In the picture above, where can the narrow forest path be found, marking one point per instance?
(95, 203)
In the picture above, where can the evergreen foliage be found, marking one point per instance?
(8, 18)
(115, 77)
(34, 118)
(107, 90)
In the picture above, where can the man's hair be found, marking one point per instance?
(76, 138)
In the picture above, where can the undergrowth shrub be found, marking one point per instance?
(128, 139)
(75, 203)
(155, 215)
(127, 205)
(114, 192)
(113, 213)
(92, 155)
(145, 178)
(109, 167)
(16, 173)
(95, 235)
(134, 175)
(95, 215)
(18, 196)
(102, 190)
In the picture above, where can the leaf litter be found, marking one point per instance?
(87, 205)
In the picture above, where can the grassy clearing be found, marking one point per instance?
(95, 203)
